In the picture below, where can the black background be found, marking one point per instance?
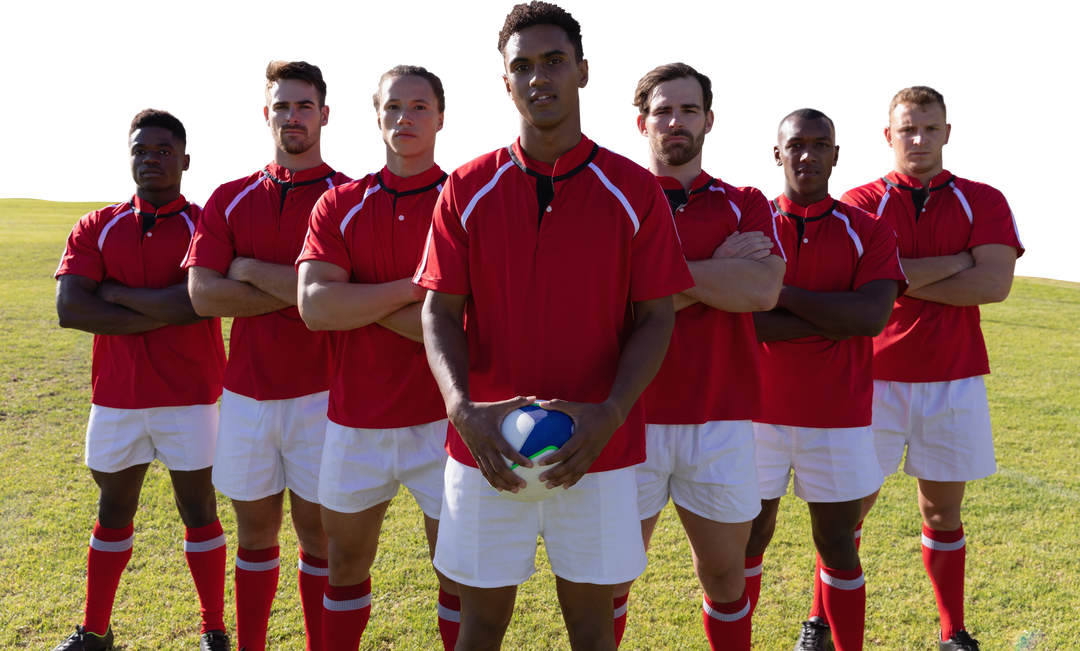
(210, 73)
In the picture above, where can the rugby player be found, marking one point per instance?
(700, 439)
(387, 418)
(842, 276)
(551, 264)
(959, 244)
(273, 411)
(157, 372)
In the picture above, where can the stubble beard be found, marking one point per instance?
(679, 155)
(295, 147)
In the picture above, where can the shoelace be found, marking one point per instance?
(811, 635)
(966, 642)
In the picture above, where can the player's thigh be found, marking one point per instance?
(835, 464)
(354, 542)
(185, 438)
(654, 475)
(307, 522)
(196, 499)
(588, 611)
(259, 521)
(485, 541)
(774, 459)
(891, 422)
(117, 439)
(719, 546)
(716, 476)
(953, 440)
(303, 425)
(247, 463)
(119, 495)
(940, 503)
(485, 614)
(592, 531)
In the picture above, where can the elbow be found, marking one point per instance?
(766, 299)
(873, 328)
(201, 307)
(313, 318)
(998, 293)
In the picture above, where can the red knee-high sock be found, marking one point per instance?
(449, 619)
(346, 609)
(256, 585)
(843, 593)
(753, 579)
(313, 579)
(204, 549)
(727, 626)
(817, 608)
(110, 551)
(944, 554)
(620, 617)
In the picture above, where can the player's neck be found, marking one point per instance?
(547, 145)
(299, 162)
(805, 200)
(406, 166)
(684, 174)
(160, 198)
(924, 177)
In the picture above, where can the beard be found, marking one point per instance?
(677, 155)
(293, 146)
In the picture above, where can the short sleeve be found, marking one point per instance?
(993, 221)
(212, 245)
(444, 266)
(880, 259)
(657, 265)
(82, 256)
(324, 241)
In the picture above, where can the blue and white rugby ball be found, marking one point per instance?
(535, 432)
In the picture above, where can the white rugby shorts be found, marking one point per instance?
(365, 467)
(944, 425)
(708, 469)
(591, 532)
(265, 446)
(834, 464)
(182, 438)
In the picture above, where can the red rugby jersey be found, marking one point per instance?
(552, 258)
(926, 341)
(265, 216)
(375, 229)
(814, 381)
(711, 371)
(173, 366)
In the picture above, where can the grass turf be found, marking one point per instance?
(1023, 533)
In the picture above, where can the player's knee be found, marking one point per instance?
(944, 519)
(723, 583)
(837, 549)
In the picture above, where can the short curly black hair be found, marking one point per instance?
(155, 118)
(806, 112)
(541, 13)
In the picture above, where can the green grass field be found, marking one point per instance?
(1022, 527)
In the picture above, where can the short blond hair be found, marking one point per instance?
(917, 96)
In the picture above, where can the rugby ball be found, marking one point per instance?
(535, 432)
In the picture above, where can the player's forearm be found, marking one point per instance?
(682, 300)
(277, 280)
(736, 284)
(447, 348)
(781, 325)
(643, 353)
(921, 272)
(223, 297)
(328, 305)
(845, 313)
(91, 314)
(406, 322)
(170, 305)
(975, 286)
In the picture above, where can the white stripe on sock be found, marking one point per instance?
(449, 615)
(621, 610)
(205, 545)
(842, 584)
(939, 546)
(312, 570)
(753, 571)
(112, 546)
(257, 567)
(347, 604)
(715, 614)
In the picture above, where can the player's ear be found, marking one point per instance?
(888, 135)
(583, 70)
(325, 110)
(641, 125)
(948, 130)
(506, 83)
(776, 156)
(439, 128)
(187, 162)
(836, 155)
(708, 121)
(266, 114)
